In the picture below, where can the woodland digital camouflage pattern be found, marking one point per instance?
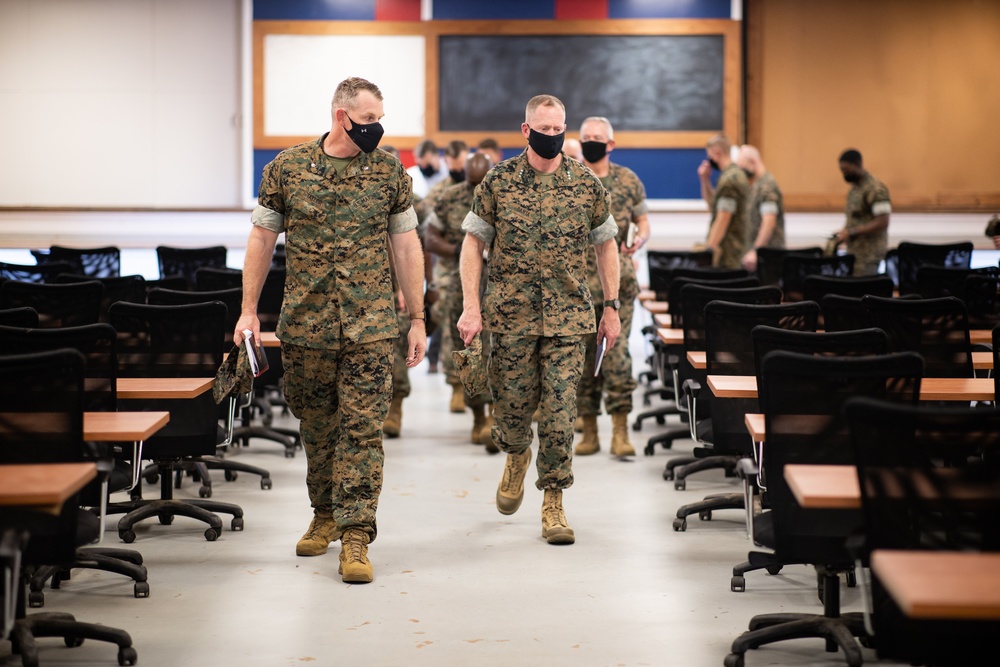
(732, 185)
(866, 200)
(765, 191)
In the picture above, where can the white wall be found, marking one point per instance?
(120, 103)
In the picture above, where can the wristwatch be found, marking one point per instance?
(613, 303)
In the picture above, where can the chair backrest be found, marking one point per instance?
(695, 296)
(854, 343)
(981, 294)
(96, 342)
(117, 288)
(33, 273)
(102, 262)
(911, 256)
(232, 297)
(19, 317)
(210, 279)
(770, 260)
(844, 313)
(57, 305)
(185, 262)
(816, 287)
(937, 329)
(795, 268)
(678, 283)
(711, 273)
(663, 263)
(802, 397)
(934, 281)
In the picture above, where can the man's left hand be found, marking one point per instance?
(416, 343)
(609, 328)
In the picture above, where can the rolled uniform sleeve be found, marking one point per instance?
(769, 208)
(402, 216)
(270, 210)
(727, 204)
(479, 228)
(402, 222)
(267, 219)
(606, 231)
(481, 220)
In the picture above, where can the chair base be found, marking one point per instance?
(125, 562)
(287, 438)
(166, 510)
(703, 508)
(680, 467)
(26, 630)
(666, 439)
(660, 414)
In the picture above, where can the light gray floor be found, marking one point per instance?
(456, 583)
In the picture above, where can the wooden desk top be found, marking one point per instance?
(931, 389)
(671, 336)
(122, 426)
(143, 388)
(647, 295)
(824, 486)
(269, 339)
(662, 320)
(980, 336)
(656, 307)
(941, 584)
(43, 486)
(755, 425)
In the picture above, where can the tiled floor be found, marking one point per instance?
(456, 583)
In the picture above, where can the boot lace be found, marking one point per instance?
(554, 516)
(354, 547)
(514, 470)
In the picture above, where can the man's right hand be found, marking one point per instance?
(246, 322)
(470, 324)
(704, 170)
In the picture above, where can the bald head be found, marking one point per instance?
(750, 162)
(476, 167)
(573, 149)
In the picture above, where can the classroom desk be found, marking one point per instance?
(981, 361)
(941, 584)
(981, 336)
(43, 487)
(824, 486)
(122, 426)
(931, 389)
(646, 295)
(662, 320)
(146, 388)
(671, 336)
(269, 339)
(656, 307)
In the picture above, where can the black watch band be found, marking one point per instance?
(613, 303)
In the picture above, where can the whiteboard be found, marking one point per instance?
(302, 71)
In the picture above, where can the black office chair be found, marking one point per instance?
(57, 305)
(41, 409)
(770, 261)
(33, 273)
(117, 288)
(104, 262)
(663, 263)
(97, 344)
(766, 339)
(981, 294)
(935, 281)
(913, 501)
(911, 256)
(730, 351)
(174, 342)
(816, 287)
(796, 268)
(19, 317)
(844, 313)
(937, 329)
(184, 262)
(802, 397)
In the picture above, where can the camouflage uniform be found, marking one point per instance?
(453, 203)
(628, 202)
(732, 194)
(400, 349)
(445, 274)
(866, 200)
(338, 319)
(537, 302)
(765, 198)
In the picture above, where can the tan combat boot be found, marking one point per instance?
(578, 425)
(394, 420)
(478, 420)
(355, 568)
(486, 434)
(457, 403)
(620, 445)
(510, 493)
(322, 531)
(555, 530)
(589, 443)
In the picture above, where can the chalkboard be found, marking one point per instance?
(654, 83)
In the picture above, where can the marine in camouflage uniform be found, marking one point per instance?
(538, 307)
(867, 227)
(628, 203)
(338, 318)
(766, 199)
(732, 194)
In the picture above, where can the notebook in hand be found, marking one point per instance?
(255, 353)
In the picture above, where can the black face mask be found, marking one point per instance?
(594, 151)
(428, 170)
(457, 175)
(545, 145)
(750, 173)
(365, 137)
(851, 177)
(714, 164)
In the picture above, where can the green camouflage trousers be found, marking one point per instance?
(400, 347)
(341, 398)
(537, 371)
(616, 379)
(454, 304)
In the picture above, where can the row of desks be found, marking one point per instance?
(980, 360)
(676, 336)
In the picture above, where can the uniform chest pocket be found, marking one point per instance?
(369, 199)
(308, 207)
(571, 228)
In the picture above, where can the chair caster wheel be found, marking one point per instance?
(265, 483)
(649, 451)
(734, 660)
(141, 589)
(237, 523)
(127, 656)
(680, 485)
(36, 599)
(289, 453)
(73, 642)
(231, 475)
(211, 534)
(705, 515)
(738, 584)
(166, 519)
(773, 569)
(636, 426)
(660, 420)
(852, 579)
(204, 491)
(126, 536)
(680, 525)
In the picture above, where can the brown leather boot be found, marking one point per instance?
(322, 531)
(355, 568)
(510, 493)
(457, 403)
(394, 420)
(620, 445)
(478, 420)
(486, 433)
(555, 530)
(589, 443)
